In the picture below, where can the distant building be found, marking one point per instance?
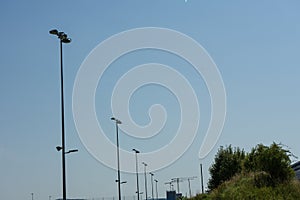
(296, 168)
(171, 195)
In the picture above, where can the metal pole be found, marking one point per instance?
(177, 180)
(152, 184)
(156, 189)
(118, 158)
(145, 173)
(189, 181)
(62, 123)
(31, 196)
(63, 39)
(201, 173)
(137, 174)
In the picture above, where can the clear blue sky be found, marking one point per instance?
(255, 45)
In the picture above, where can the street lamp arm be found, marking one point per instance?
(72, 151)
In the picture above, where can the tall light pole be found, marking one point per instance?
(137, 173)
(63, 38)
(190, 191)
(118, 154)
(201, 175)
(152, 184)
(145, 173)
(156, 189)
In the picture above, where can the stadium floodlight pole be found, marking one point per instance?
(152, 184)
(145, 173)
(137, 173)
(63, 38)
(118, 154)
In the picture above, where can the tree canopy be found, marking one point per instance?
(269, 164)
(228, 162)
(273, 160)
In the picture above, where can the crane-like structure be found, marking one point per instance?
(188, 179)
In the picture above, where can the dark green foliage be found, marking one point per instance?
(273, 161)
(262, 179)
(227, 163)
(264, 173)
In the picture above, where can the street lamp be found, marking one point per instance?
(152, 184)
(118, 156)
(137, 173)
(156, 189)
(145, 172)
(63, 38)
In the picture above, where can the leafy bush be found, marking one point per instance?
(274, 161)
(264, 173)
(228, 162)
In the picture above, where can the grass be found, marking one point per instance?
(244, 186)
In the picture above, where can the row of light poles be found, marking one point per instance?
(118, 122)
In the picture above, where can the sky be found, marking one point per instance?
(254, 44)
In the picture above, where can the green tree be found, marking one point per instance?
(273, 161)
(227, 163)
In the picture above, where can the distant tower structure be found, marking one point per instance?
(188, 179)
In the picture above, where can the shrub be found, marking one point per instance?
(228, 162)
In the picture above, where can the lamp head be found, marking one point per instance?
(58, 148)
(61, 35)
(53, 32)
(136, 151)
(66, 40)
(116, 120)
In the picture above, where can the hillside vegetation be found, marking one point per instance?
(263, 173)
